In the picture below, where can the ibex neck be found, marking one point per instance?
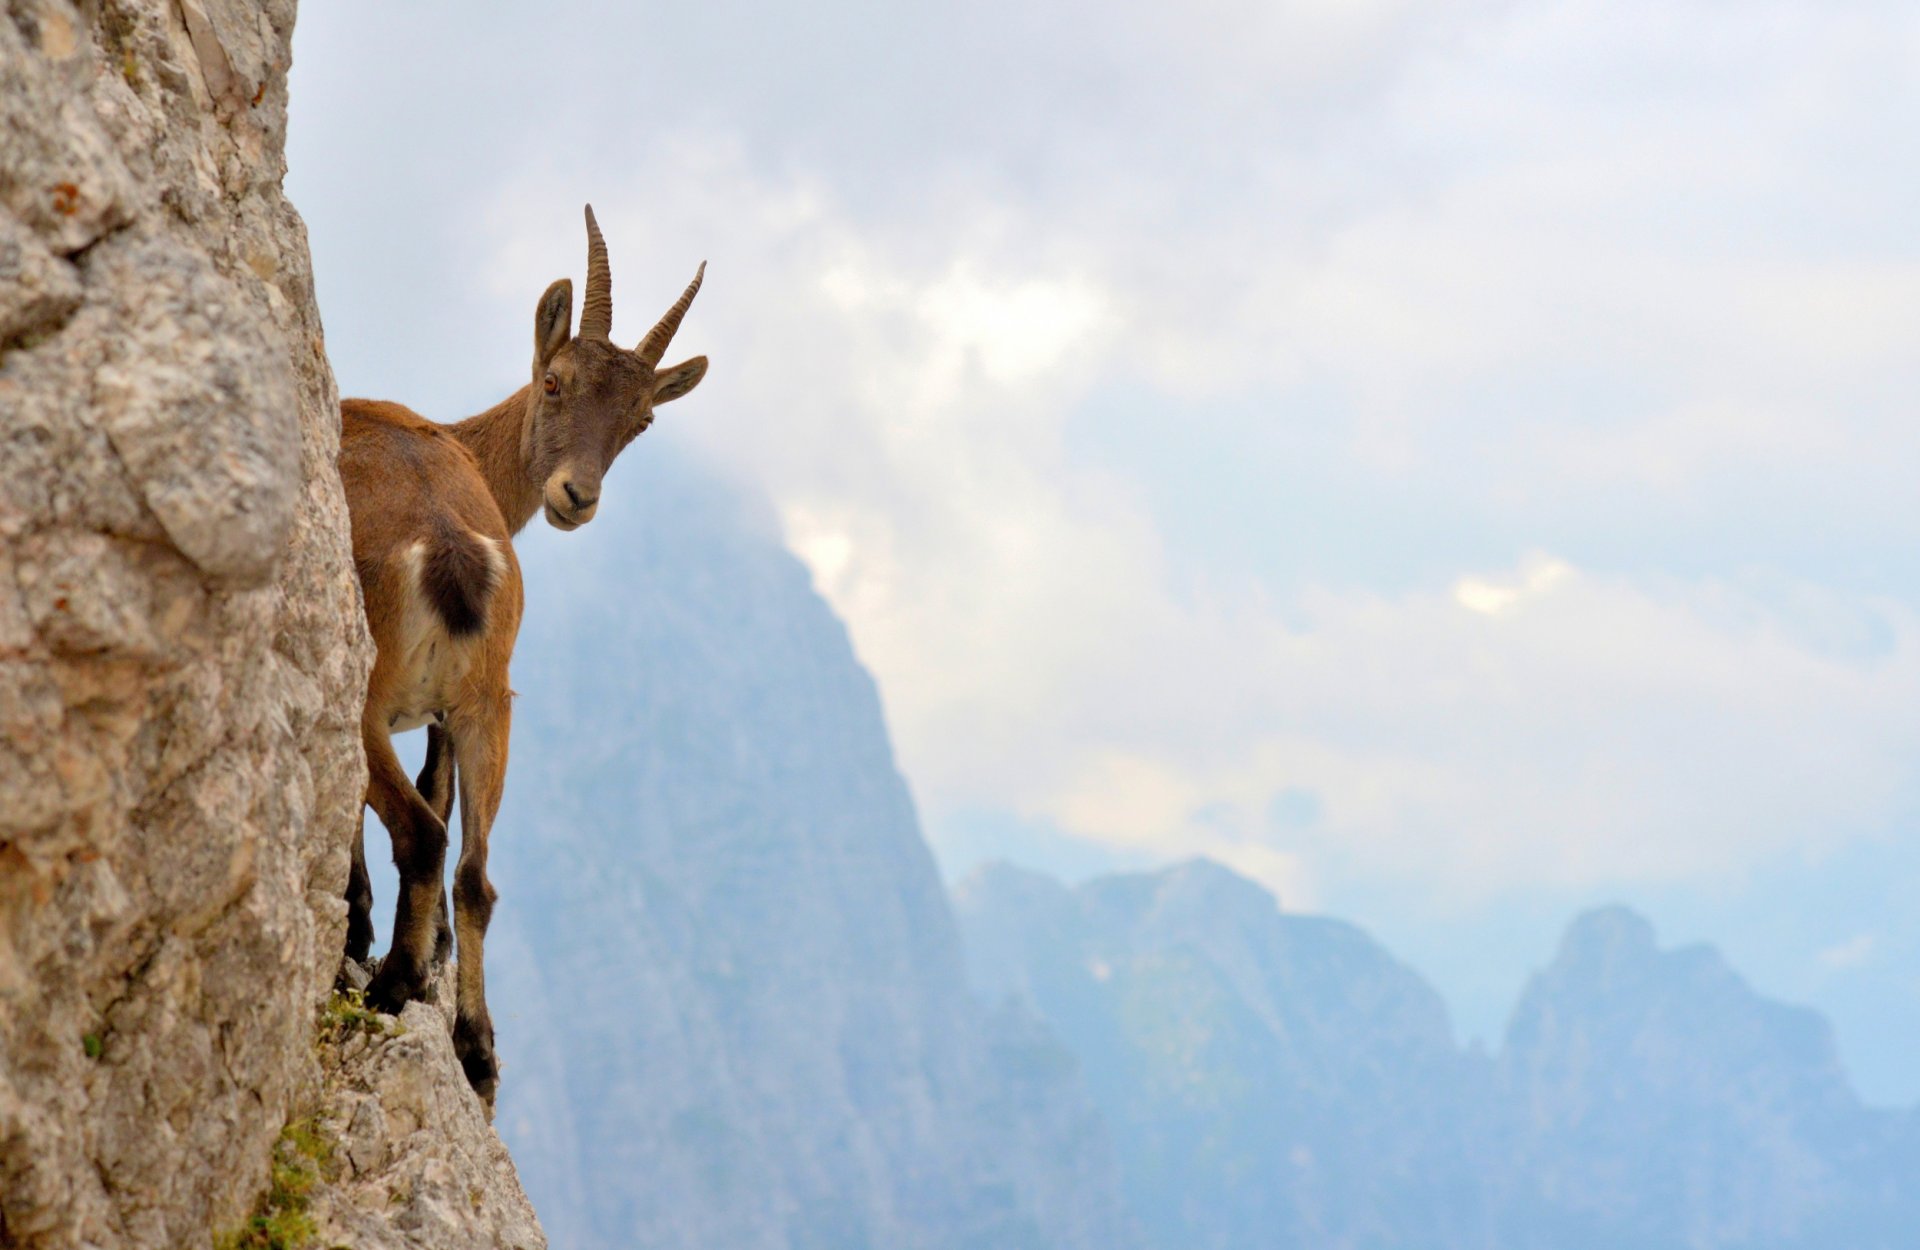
(495, 439)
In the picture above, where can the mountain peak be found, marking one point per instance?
(1209, 878)
(1608, 934)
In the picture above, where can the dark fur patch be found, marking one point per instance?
(401, 980)
(419, 846)
(473, 1046)
(435, 782)
(457, 576)
(473, 894)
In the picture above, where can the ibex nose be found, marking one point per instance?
(579, 500)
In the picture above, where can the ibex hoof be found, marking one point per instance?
(473, 1046)
(400, 981)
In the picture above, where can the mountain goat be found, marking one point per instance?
(434, 508)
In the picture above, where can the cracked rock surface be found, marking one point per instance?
(414, 1161)
(182, 652)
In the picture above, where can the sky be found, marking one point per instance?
(1452, 462)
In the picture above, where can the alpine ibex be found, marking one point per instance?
(434, 509)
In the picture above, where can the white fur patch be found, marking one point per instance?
(432, 661)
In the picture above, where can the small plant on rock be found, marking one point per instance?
(301, 1159)
(347, 1013)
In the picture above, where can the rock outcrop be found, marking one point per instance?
(409, 1160)
(182, 654)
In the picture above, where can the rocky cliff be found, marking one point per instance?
(182, 656)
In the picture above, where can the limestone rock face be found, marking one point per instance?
(182, 651)
(413, 1161)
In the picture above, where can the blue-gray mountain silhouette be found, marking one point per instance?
(733, 1006)
(1280, 1080)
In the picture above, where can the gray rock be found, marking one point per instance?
(200, 407)
(37, 288)
(415, 1162)
(182, 654)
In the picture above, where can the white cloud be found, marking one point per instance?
(1538, 576)
(1851, 953)
(1043, 651)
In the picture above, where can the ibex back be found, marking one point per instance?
(434, 509)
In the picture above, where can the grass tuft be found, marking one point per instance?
(345, 1014)
(301, 1159)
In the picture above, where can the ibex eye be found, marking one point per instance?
(552, 384)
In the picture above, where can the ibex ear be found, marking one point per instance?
(677, 381)
(552, 321)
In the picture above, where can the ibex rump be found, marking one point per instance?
(434, 509)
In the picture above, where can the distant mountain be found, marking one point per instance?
(1276, 1080)
(1651, 1098)
(1272, 1080)
(729, 988)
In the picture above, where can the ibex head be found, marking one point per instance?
(591, 398)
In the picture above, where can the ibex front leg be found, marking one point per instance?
(480, 751)
(420, 853)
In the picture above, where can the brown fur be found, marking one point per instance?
(427, 529)
(434, 509)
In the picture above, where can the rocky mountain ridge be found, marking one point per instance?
(1272, 1077)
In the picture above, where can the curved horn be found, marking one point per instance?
(654, 345)
(596, 315)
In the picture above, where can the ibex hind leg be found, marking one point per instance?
(420, 853)
(359, 896)
(480, 743)
(435, 784)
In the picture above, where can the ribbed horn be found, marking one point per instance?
(654, 345)
(596, 315)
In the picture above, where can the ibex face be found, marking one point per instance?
(590, 398)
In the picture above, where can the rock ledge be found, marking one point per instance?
(414, 1162)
